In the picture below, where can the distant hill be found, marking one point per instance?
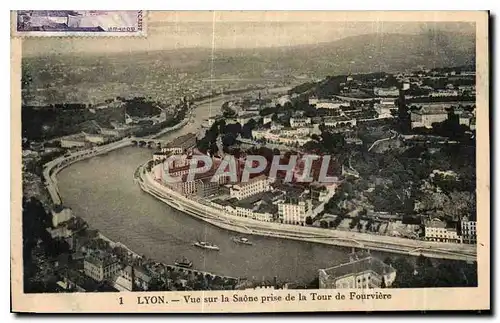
(93, 77)
(364, 53)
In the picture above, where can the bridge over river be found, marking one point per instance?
(148, 142)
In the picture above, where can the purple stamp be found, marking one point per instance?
(79, 23)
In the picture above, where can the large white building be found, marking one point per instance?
(468, 228)
(332, 105)
(61, 215)
(437, 230)
(254, 186)
(295, 211)
(267, 119)
(101, 266)
(384, 110)
(276, 136)
(390, 91)
(72, 141)
(428, 115)
(300, 122)
(339, 121)
(362, 271)
(444, 93)
(95, 138)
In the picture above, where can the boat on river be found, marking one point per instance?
(242, 240)
(206, 245)
(184, 262)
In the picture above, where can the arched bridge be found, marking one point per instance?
(149, 143)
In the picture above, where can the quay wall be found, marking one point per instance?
(242, 225)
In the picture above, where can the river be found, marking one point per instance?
(102, 191)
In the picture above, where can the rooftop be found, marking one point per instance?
(75, 137)
(250, 181)
(432, 109)
(101, 259)
(140, 273)
(368, 263)
(182, 140)
(435, 223)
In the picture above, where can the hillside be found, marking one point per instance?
(365, 53)
(92, 78)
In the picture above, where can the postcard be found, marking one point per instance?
(247, 162)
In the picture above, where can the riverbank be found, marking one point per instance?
(224, 220)
(52, 168)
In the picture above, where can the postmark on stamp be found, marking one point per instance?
(79, 23)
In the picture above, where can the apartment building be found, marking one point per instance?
(438, 230)
(295, 210)
(101, 266)
(253, 186)
(468, 230)
(362, 271)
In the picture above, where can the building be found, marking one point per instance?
(331, 105)
(282, 100)
(202, 184)
(388, 101)
(468, 230)
(467, 90)
(362, 271)
(180, 144)
(267, 119)
(205, 187)
(444, 93)
(465, 119)
(72, 141)
(438, 230)
(36, 146)
(341, 121)
(313, 100)
(181, 167)
(253, 186)
(428, 115)
(390, 91)
(160, 156)
(101, 266)
(352, 140)
(134, 279)
(177, 171)
(75, 281)
(243, 119)
(60, 215)
(95, 138)
(384, 110)
(184, 187)
(295, 210)
(300, 122)
(298, 132)
(278, 137)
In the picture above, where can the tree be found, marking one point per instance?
(309, 220)
(423, 262)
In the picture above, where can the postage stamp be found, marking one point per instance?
(237, 162)
(79, 23)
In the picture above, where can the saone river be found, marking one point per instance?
(102, 191)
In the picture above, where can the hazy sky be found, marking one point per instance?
(171, 30)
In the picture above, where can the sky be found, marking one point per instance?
(174, 30)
